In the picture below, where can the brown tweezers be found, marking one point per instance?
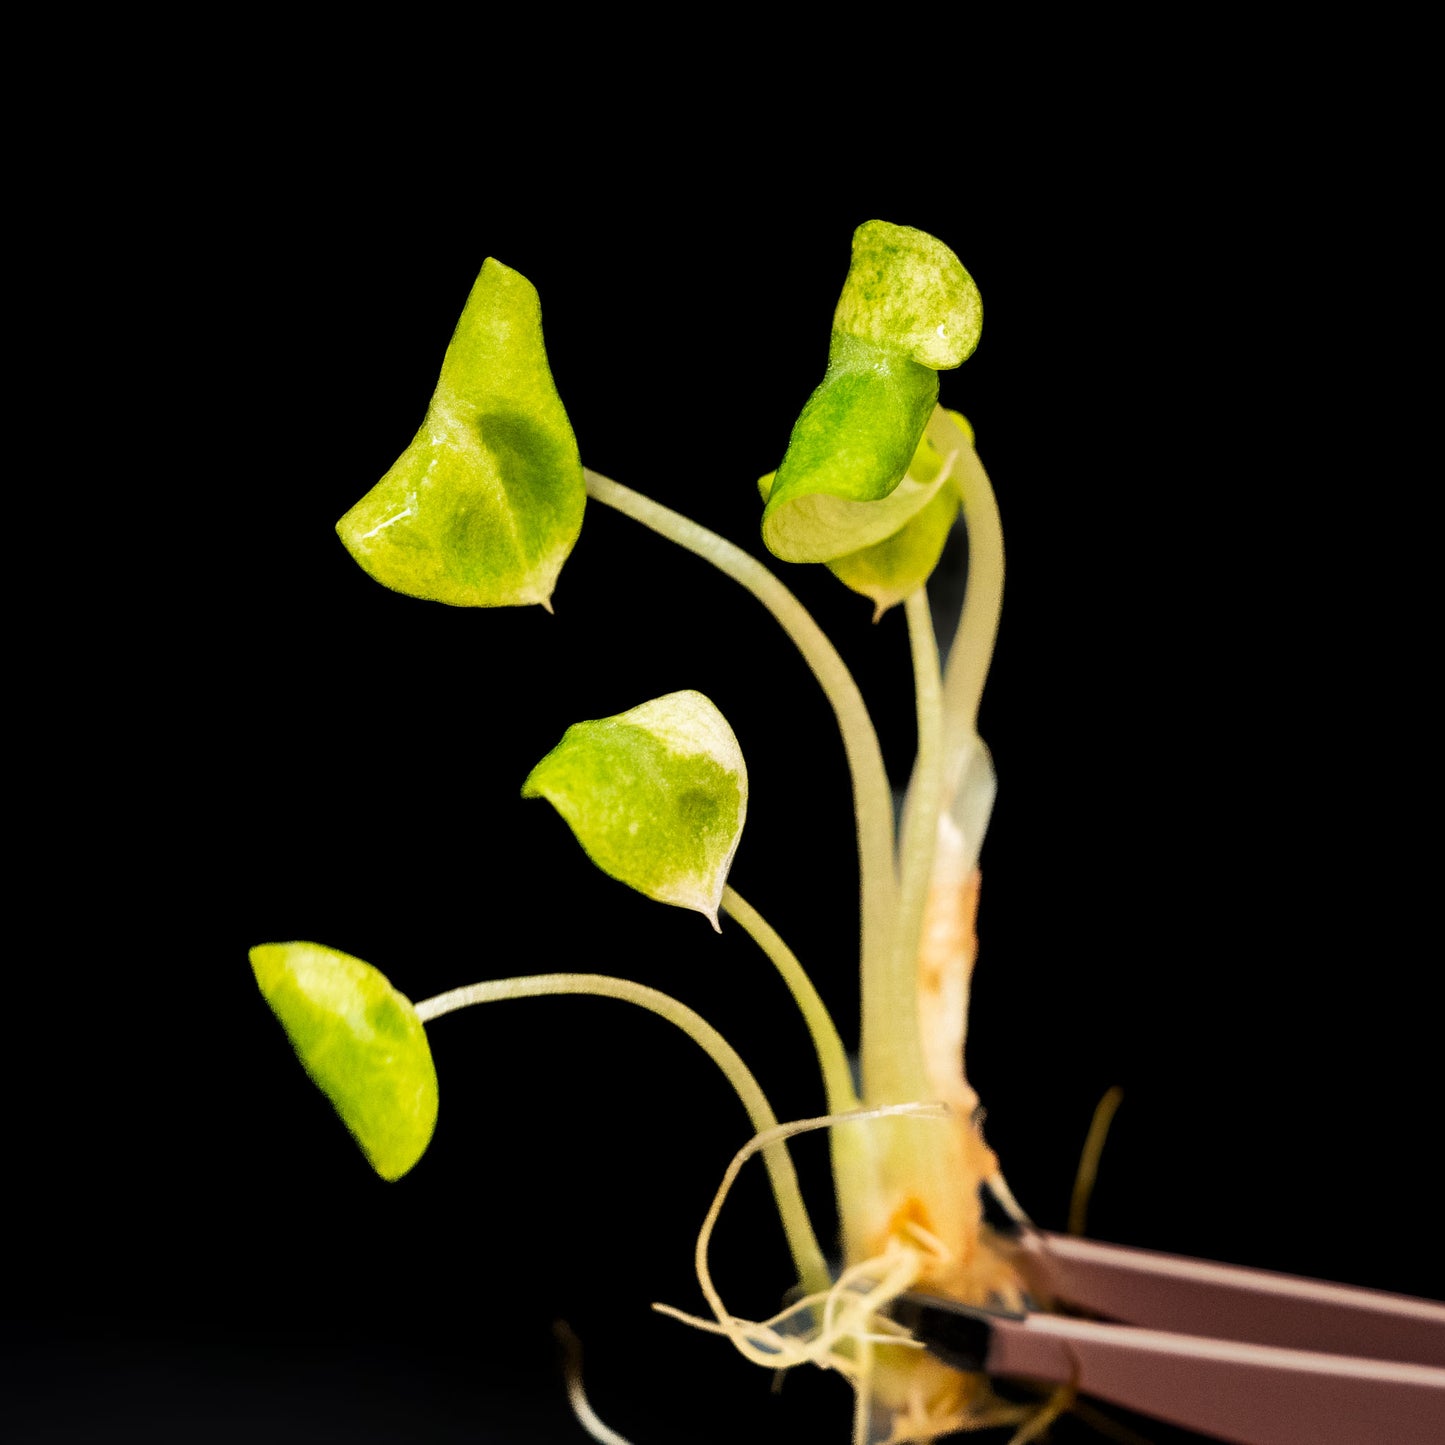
(1244, 1355)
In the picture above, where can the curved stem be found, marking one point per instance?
(972, 648)
(807, 1256)
(872, 799)
(892, 1047)
(832, 1057)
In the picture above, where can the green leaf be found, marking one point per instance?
(907, 290)
(837, 488)
(888, 571)
(362, 1043)
(908, 308)
(484, 506)
(656, 797)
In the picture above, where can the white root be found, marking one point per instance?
(840, 1327)
(849, 1316)
(576, 1394)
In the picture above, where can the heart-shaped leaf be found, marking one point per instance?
(484, 506)
(362, 1043)
(656, 797)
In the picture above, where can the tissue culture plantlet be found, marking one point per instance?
(483, 509)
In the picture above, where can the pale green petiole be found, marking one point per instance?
(973, 642)
(968, 783)
(807, 1256)
(892, 1051)
(872, 799)
(832, 1057)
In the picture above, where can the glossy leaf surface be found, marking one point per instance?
(656, 796)
(908, 307)
(362, 1043)
(484, 506)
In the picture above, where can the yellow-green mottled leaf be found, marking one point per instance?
(484, 506)
(908, 308)
(888, 571)
(837, 488)
(906, 289)
(656, 797)
(362, 1043)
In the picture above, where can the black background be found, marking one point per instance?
(1202, 881)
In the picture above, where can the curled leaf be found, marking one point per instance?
(908, 308)
(485, 505)
(907, 290)
(837, 489)
(888, 571)
(656, 796)
(362, 1043)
